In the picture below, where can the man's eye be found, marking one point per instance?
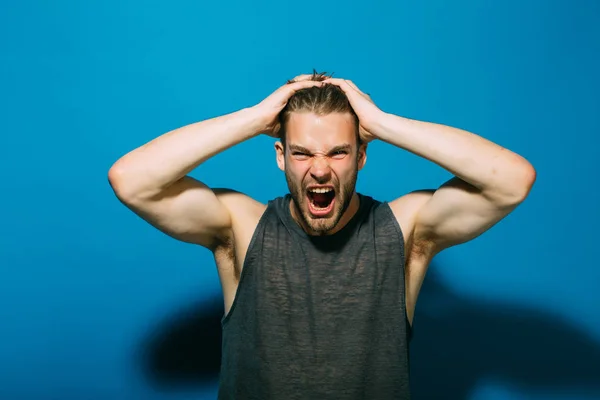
(339, 153)
(297, 154)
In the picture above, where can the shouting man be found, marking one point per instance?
(320, 284)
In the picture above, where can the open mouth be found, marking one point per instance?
(321, 200)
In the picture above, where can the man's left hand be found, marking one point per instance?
(366, 110)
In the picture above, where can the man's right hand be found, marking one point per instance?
(274, 104)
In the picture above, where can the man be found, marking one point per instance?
(320, 285)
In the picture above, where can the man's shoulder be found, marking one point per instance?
(240, 204)
(409, 202)
(412, 199)
(406, 208)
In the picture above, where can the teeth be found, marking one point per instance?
(321, 190)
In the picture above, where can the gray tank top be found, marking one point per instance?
(319, 317)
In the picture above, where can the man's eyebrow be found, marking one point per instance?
(342, 147)
(297, 147)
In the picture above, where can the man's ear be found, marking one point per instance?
(280, 154)
(362, 156)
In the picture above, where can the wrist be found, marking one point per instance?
(254, 121)
(387, 126)
(261, 121)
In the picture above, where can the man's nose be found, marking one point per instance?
(320, 169)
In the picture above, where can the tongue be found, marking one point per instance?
(321, 200)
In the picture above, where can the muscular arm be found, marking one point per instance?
(152, 180)
(489, 181)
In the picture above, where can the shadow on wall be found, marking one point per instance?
(457, 342)
(185, 350)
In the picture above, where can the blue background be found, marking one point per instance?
(96, 304)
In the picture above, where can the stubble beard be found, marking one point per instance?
(321, 226)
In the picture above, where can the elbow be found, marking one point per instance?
(513, 187)
(120, 183)
(114, 174)
(522, 183)
(131, 183)
(115, 179)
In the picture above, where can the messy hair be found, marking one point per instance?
(321, 100)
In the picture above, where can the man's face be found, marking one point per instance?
(321, 163)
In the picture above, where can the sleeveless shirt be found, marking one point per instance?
(319, 317)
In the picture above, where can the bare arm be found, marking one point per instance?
(152, 180)
(490, 181)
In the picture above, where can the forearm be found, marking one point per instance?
(157, 164)
(485, 165)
